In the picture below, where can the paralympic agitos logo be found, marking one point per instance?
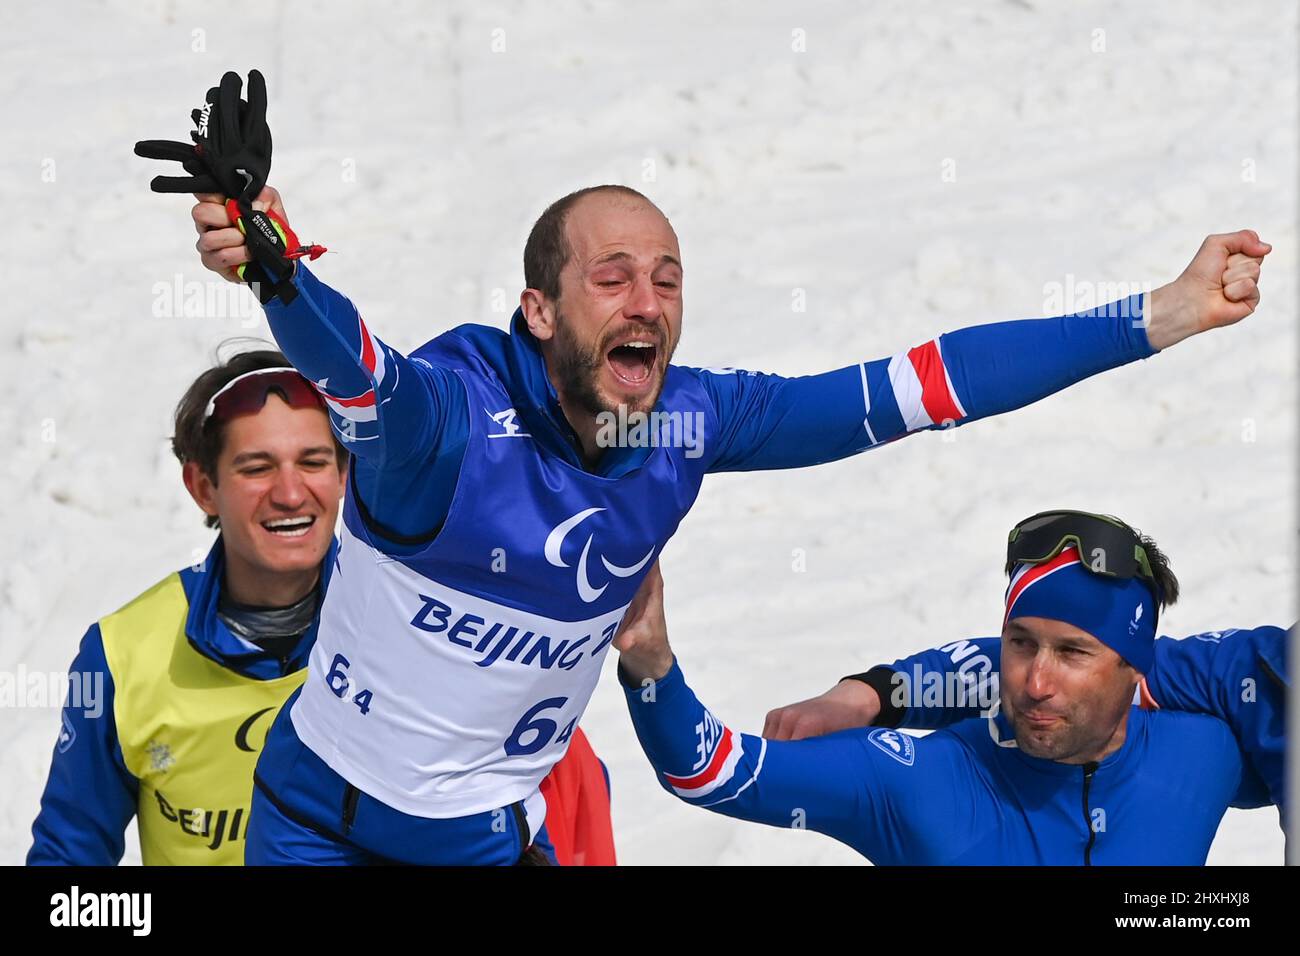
(241, 734)
(555, 544)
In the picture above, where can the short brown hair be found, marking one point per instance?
(547, 250)
(191, 441)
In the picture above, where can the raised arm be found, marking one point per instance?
(773, 422)
(384, 407)
(406, 422)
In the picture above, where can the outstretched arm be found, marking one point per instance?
(931, 689)
(865, 792)
(773, 422)
(813, 784)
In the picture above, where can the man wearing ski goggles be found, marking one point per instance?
(1074, 571)
(1078, 632)
(1061, 769)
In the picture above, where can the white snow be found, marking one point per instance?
(801, 153)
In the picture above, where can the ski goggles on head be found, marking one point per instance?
(246, 394)
(1106, 546)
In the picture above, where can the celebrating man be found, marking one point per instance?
(497, 524)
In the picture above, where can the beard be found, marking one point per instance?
(578, 367)
(1058, 742)
(1085, 728)
(577, 370)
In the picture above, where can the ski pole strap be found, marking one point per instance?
(274, 248)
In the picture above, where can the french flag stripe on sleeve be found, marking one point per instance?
(372, 353)
(936, 393)
(907, 388)
(362, 407)
(358, 409)
(716, 773)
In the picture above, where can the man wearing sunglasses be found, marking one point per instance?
(496, 527)
(1063, 770)
(196, 667)
(1238, 675)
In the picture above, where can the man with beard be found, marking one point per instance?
(494, 535)
(1238, 675)
(1065, 770)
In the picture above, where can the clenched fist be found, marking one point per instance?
(222, 247)
(642, 640)
(1219, 287)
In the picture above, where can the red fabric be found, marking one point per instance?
(709, 773)
(935, 396)
(294, 249)
(577, 807)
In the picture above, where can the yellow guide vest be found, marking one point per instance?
(190, 730)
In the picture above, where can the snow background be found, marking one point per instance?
(421, 155)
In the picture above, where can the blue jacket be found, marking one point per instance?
(90, 796)
(957, 796)
(1237, 675)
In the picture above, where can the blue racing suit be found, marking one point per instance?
(461, 538)
(961, 795)
(1238, 675)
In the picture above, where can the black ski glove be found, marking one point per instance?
(231, 155)
(231, 152)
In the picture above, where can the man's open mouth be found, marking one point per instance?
(289, 527)
(633, 362)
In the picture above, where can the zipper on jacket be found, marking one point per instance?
(521, 824)
(350, 797)
(1088, 770)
